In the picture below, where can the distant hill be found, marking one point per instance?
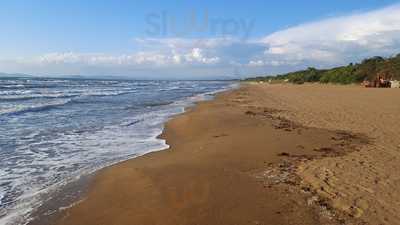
(368, 69)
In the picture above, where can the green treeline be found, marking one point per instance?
(368, 69)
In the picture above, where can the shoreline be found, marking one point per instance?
(61, 199)
(241, 158)
(74, 192)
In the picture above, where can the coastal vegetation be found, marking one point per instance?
(368, 69)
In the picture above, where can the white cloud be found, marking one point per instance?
(257, 63)
(191, 56)
(337, 40)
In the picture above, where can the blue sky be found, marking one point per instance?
(171, 39)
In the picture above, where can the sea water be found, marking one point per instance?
(52, 131)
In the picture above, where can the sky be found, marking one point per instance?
(205, 39)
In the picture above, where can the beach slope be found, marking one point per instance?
(261, 154)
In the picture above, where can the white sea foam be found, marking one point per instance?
(2, 193)
(20, 108)
(138, 141)
(28, 94)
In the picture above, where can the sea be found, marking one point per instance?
(54, 131)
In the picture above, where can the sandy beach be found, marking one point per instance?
(264, 155)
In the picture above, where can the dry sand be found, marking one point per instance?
(364, 184)
(262, 154)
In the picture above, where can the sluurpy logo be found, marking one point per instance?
(195, 23)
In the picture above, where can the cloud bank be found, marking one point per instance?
(325, 43)
(337, 40)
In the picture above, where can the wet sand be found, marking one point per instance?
(262, 154)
